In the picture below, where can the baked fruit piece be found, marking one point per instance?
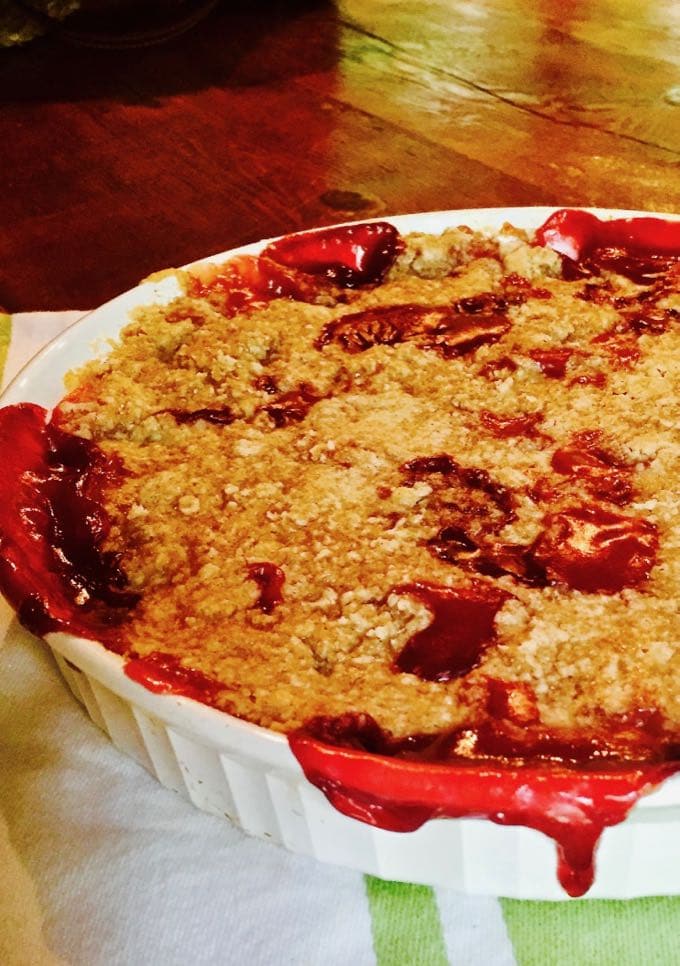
(412, 497)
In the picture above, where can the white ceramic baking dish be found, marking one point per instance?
(248, 774)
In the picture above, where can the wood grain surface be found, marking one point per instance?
(269, 117)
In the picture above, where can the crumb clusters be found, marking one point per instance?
(283, 435)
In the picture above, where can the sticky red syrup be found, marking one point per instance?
(597, 292)
(639, 248)
(270, 579)
(462, 627)
(640, 314)
(220, 417)
(622, 350)
(383, 325)
(552, 362)
(349, 256)
(267, 383)
(470, 477)
(597, 380)
(463, 333)
(292, 407)
(165, 674)
(585, 548)
(251, 281)
(499, 368)
(644, 304)
(452, 330)
(469, 508)
(506, 427)
(587, 459)
(399, 785)
(53, 570)
(511, 701)
(593, 550)
(652, 320)
(303, 267)
(289, 407)
(517, 289)
(483, 554)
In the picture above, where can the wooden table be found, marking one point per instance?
(270, 117)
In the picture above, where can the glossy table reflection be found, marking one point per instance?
(270, 117)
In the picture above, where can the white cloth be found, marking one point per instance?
(101, 866)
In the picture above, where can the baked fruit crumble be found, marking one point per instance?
(413, 496)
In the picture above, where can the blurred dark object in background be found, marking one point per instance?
(133, 23)
(100, 23)
(24, 20)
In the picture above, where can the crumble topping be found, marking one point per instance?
(300, 475)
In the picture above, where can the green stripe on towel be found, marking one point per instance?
(405, 922)
(595, 932)
(5, 336)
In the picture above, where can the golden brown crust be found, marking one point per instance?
(324, 498)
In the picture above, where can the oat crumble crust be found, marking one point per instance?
(325, 500)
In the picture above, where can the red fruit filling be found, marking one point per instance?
(552, 362)
(220, 417)
(398, 785)
(462, 627)
(451, 330)
(604, 474)
(250, 281)
(505, 427)
(639, 248)
(270, 579)
(292, 407)
(349, 256)
(164, 674)
(593, 550)
(53, 570)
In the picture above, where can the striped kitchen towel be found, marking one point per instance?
(101, 866)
